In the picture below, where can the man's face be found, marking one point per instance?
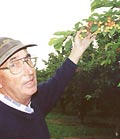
(21, 86)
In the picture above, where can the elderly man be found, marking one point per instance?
(24, 104)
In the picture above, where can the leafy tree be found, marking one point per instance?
(54, 61)
(97, 75)
(106, 26)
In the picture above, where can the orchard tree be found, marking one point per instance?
(54, 61)
(105, 49)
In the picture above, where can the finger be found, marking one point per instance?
(90, 35)
(93, 35)
(92, 38)
(78, 34)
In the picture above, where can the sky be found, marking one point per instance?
(35, 21)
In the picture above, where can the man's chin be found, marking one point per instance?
(31, 91)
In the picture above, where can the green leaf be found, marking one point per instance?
(118, 84)
(107, 46)
(58, 33)
(101, 3)
(52, 41)
(58, 46)
(88, 97)
(68, 44)
(112, 31)
(103, 62)
(63, 33)
(78, 25)
(55, 41)
(94, 28)
(83, 34)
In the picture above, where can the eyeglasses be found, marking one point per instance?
(16, 66)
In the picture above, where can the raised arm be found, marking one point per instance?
(79, 46)
(51, 90)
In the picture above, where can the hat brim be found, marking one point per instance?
(13, 50)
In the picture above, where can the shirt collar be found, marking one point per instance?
(14, 104)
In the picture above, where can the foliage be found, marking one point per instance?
(96, 81)
(104, 3)
(54, 61)
(105, 49)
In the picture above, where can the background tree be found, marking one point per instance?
(105, 50)
(94, 87)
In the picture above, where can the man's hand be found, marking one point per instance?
(79, 46)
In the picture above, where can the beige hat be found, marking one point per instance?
(9, 46)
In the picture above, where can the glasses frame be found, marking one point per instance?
(24, 60)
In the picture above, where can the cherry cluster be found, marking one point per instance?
(96, 27)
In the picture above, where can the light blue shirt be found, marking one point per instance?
(12, 103)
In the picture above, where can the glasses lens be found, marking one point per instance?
(31, 61)
(16, 66)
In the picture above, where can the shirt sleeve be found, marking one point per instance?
(49, 91)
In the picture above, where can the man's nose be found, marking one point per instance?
(27, 68)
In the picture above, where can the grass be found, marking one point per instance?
(70, 127)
